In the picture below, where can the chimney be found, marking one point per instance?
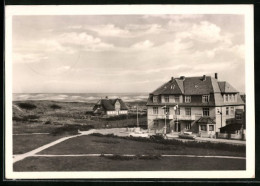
(182, 78)
(216, 75)
(204, 78)
(172, 78)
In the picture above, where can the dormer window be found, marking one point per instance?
(205, 98)
(166, 99)
(187, 99)
(176, 99)
(155, 99)
(230, 97)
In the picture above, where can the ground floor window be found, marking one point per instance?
(188, 126)
(211, 127)
(203, 127)
(156, 123)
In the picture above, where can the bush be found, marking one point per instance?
(26, 118)
(27, 106)
(71, 129)
(179, 143)
(54, 106)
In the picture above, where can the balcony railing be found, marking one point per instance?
(177, 117)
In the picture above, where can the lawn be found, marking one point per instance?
(103, 144)
(26, 143)
(105, 164)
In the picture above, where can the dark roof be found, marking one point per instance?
(109, 104)
(231, 127)
(206, 120)
(189, 86)
(225, 87)
(171, 87)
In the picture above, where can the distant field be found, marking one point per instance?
(49, 114)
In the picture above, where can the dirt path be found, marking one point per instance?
(33, 152)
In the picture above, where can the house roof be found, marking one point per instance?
(206, 120)
(109, 104)
(189, 86)
(232, 127)
(170, 87)
(225, 87)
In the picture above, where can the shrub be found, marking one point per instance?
(70, 129)
(26, 118)
(54, 106)
(27, 106)
(47, 122)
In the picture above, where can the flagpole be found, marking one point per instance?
(137, 116)
(165, 121)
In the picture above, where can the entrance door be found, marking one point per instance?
(177, 127)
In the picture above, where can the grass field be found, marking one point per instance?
(105, 164)
(106, 145)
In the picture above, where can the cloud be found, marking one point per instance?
(28, 58)
(143, 45)
(84, 40)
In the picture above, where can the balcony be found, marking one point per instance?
(175, 117)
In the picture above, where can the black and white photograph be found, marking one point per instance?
(129, 91)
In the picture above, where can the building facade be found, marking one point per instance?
(197, 104)
(110, 107)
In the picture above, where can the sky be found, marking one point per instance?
(124, 53)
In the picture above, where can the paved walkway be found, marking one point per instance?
(33, 152)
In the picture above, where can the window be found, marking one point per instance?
(167, 110)
(203, 127)
(232, 97)
(177, 99)
(188, 111)
(177, 111)
(205, 111)
(205, 98)
(226, 98)
(238, 116)
(188, 126)
(187, 99)
(232, 111)
(156, 123)
(166, 99)
(155, 110)
(155, 99)
(229, 97)
(227, 111)
(211, 127)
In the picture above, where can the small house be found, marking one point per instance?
(110, 107)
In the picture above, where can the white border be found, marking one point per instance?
(246, 10)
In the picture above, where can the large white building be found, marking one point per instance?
(198, 104)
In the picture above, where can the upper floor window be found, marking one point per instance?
(177, 99)
(188, 111)
(177, 111)
(155, 99)
(227, 111)
(155, 110)
(205, 98)
(238, 116)
(167, 110)
(166, 99)
(187, 99)
(232, 112)
(205, 111)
